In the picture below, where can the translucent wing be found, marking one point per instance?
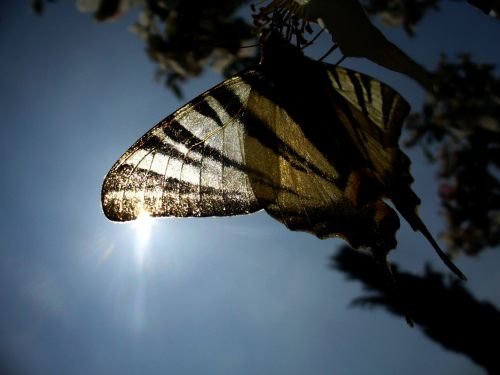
(190, 164)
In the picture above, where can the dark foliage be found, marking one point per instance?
(184, 37)
(444, 310)
(461, 126)
(402, 13)
(409, 13)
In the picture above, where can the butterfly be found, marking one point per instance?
(314, 145)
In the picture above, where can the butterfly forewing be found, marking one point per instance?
(190, 164)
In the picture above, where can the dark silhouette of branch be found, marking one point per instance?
(445, 311)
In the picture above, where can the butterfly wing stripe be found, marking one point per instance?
(360, 88)
(222, 109)
(142, 186)
(156, 147)
(363, 100)
(346, 113)
(194, 156)
(320, 127)
(206, 110)
(268, 138)
(226, 101)
(394, 109)
(376, 135)
(129, 183)
(256, 129)
(182, 188)
(182, 112)
(382, 104)
(302, 167)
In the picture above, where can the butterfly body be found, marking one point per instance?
(314, 145)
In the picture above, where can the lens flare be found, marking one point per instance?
(142, 227)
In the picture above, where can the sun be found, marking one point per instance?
(142, 226)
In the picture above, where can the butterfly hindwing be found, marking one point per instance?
(329, 187)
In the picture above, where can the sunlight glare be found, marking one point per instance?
(142, 226)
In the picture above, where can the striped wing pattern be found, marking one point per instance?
(233, 151)
(190, 164)
(336, 190)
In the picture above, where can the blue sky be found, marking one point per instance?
(241, 295)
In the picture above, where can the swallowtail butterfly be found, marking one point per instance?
(314, 145)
